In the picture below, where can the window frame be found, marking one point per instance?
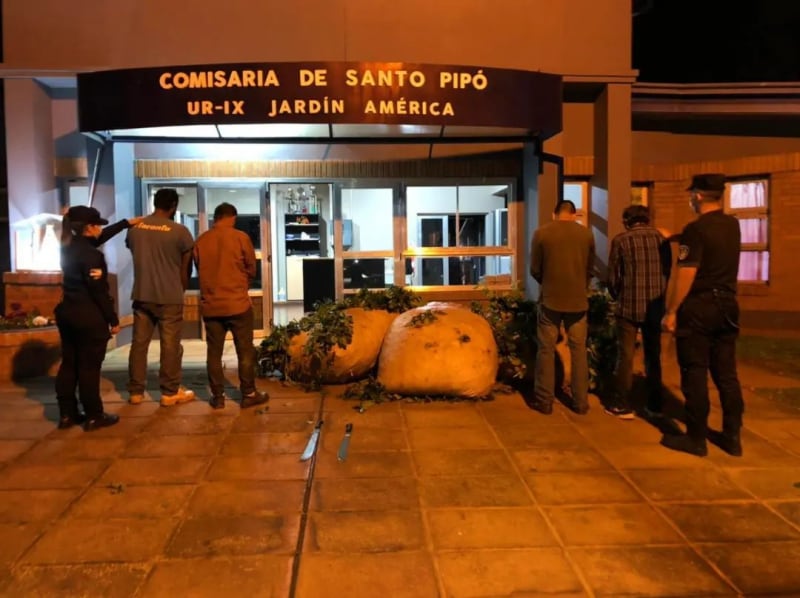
(755, 213)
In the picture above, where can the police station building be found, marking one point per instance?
(367, 143)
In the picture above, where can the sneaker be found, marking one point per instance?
(254, 398)
(135, 398)
(683, 443)
(542, 407)
(217, 402)
(620, 412)
(67, 421)
(579, 408)
(103, 420)
(652, 414)
(183, 395)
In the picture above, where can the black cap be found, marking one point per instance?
(712, 183)
(85, 215)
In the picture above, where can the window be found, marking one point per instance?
(640, 194)
(748, 201)
(578, 193)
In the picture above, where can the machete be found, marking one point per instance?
(342, 454)
(312, 443)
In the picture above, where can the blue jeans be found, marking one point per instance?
(241, 327)
(549, 323)
(169, 320)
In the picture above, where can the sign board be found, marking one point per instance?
(320, 92)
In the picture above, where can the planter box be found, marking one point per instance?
(29, 353)
(40, 291)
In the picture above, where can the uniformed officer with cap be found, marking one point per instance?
(703, 314)
(86, 318)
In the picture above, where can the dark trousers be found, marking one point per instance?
(169, 319)
(651, 345)
(706, 341)
(83, 350)
(548, 325)
(241, 327)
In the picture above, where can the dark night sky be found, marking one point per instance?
(699, 41)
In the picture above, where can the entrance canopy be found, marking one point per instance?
(320, 102)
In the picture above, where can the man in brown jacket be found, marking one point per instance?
(226, 263)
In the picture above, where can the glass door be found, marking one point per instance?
(249, 199)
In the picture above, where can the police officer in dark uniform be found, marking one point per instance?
(703, 314)
(86, 318)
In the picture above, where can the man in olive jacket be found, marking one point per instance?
(226, 263)
(562, 262)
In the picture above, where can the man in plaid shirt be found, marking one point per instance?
(639, 265)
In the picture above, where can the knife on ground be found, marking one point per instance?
(345, 444)
(312, 443)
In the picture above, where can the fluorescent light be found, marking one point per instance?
(208, 131)
(273, 130)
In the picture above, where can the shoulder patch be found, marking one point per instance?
(683, 252)
(95, 273)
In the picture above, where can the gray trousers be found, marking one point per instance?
(169, 321)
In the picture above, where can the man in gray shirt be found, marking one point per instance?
(162, 253)
(562, 262)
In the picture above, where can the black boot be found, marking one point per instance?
(685, 444)
(67, 421)
(100, 421)
(254, 398)
(730, 442)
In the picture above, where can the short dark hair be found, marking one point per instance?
(565, 205)
(166, 199)
(636, 215)
(224, 210)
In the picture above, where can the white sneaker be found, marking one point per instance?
(184, 395)
(136, 398)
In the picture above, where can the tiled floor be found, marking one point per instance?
(459, 499)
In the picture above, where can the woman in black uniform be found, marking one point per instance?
(86, 317)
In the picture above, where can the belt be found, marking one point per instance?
(714, 293)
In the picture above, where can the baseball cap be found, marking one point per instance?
(86, 215)
(714, 183)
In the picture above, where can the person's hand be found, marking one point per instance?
(669, 323)
(115, 329)
(135, 220)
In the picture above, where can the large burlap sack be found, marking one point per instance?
(455, 354)
(353, 362)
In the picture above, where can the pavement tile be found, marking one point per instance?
(611, 525)
(729, 523)
(385, 416)
(198, 407)
(173, 423)
(20, 506)
(258, 467)
(560, 459)
(235, 536)
(192, 445)
(506, 572)
(651, 456)
(120, 501)
(251, 421)
(81, 447)
(109, 580)
(771, 483)
(575, 488)
(789, 510)
(264, 575)
(489, 528)
(127, 427)
(395, 574)
(758, 568)
(364, 494)
(648, 571)
(19, 430)
(60, 474)
(363, 464)
(306, 404)
(775, 430)
(365, 531)
(757, 452)
(612, 433)
(155, 470)
(540, 436)
(463, 462)
(364, 439)
(17, 537)
(11, 449)
(105, 540)
(664, 485)
(482, 491)
(239, 445)
(16, 409)
(442, 438)
(425, 415)
(126, 410)
(241, 498)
